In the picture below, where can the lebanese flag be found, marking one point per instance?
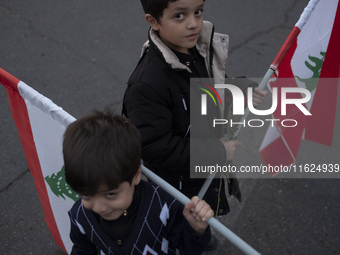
(310, 51)
(41, 125)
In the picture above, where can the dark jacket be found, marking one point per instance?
(157, 101)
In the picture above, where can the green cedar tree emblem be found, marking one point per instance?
(312, 82)
(60, 187)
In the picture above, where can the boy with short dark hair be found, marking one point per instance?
(181, 46)
(119, 213)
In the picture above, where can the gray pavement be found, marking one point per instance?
(81, 53)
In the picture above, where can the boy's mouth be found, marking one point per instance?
(106, 215)
(192, 36)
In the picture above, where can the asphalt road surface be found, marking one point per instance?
(81, 53)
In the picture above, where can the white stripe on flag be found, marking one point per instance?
(311, 53)
(48, 123)
(314, 38)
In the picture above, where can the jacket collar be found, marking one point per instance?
(203, 46)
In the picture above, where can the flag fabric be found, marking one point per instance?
(41, 125)
(310, 58)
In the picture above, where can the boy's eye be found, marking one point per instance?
(199, 12)
(179, 16)
(110, 195)
(86, 197)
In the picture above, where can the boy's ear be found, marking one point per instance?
(152, 22)
(138, 176)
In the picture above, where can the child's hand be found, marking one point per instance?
(258, 96)
(230, 147)
(197, 212)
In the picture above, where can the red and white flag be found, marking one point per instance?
(41, 125)
(310, 57)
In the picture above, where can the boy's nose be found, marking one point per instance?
(192, 22)
(98, 207)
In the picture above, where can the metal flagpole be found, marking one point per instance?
(285, 47)
(214, 223)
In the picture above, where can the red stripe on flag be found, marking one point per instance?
(276, 154)
(7, 80)
(21, 119)
(320, 126)
(291, 39)
(292, 135)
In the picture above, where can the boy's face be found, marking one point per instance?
(180, 25)
(111, 204)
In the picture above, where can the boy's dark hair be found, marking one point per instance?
(155, 7)
(100, 149)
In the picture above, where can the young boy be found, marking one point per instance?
(181, 46)
(119, 213)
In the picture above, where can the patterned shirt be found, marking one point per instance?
(159, 228)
